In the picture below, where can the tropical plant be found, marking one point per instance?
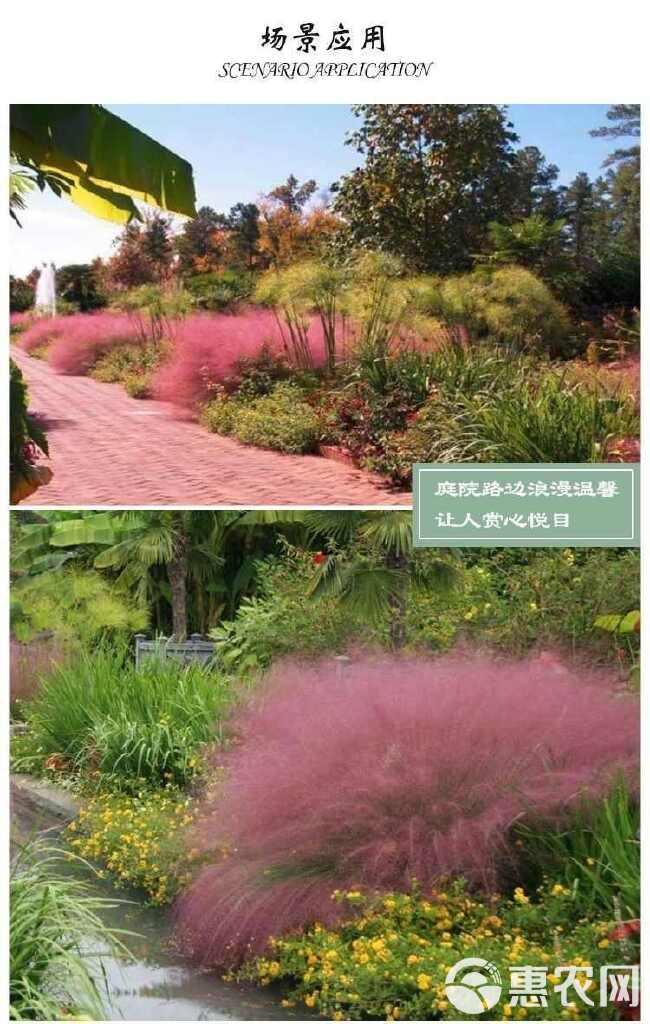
(277, 621)
(75, 604)
(156, 311)
(534, 242)
(380, 306)
(27, 441)
(99, 161)
(283, 292)
(194, 564)
(371, 563)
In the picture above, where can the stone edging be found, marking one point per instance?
(41, 795)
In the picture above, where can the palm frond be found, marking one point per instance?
(340, 525)
(389, 531)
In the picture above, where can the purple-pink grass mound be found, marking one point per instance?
(396, 770)
(76, 342)
(87, 336)
(29, 663)
(209, 347)
(42, 330)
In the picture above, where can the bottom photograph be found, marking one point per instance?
(283, 765)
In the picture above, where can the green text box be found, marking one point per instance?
(526, 505)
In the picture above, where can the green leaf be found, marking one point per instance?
(101, 162)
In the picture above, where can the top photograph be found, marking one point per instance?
(290, 305)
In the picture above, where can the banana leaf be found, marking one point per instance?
(100, 161)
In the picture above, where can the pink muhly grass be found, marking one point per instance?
(18, 319)
(29, 662)
(399, 769)
(42, 331)
(85, 337)
(210, 345)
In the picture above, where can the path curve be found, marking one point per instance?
(109, 449)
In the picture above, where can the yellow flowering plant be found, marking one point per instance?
(391, 960)
(138, 841)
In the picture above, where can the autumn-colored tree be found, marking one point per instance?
(289, 231)
(144, 253)
(127, 268)
(200, 244)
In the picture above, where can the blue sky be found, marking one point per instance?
(240, 151)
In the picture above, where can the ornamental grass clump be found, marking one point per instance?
(85, 338)
(209, 349)
(41, 331)
(389, 771)
(56, 940)
(99, 714)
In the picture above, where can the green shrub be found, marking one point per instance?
(257, 375)
(281, 619)
(510, 305)
(79, 606)
(221, 291)
(281, 420)
(369, 421)
(219, 415)
(137, 385)
(514, 601)
(56, 940)
(125, 363)
(549, 419)
(129, 726)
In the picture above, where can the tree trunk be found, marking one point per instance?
(397, 602)
(177, 574)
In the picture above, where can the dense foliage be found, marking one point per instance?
(99, 715)
(27, 438)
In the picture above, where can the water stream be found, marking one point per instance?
(156, 984)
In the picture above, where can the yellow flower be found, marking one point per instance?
(520, 896)
(603, 944)
(310, 1000)
(423, 982)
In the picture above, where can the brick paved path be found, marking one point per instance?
(109, 449)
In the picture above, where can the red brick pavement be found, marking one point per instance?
(109, 449)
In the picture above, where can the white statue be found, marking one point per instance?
(45, 301)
